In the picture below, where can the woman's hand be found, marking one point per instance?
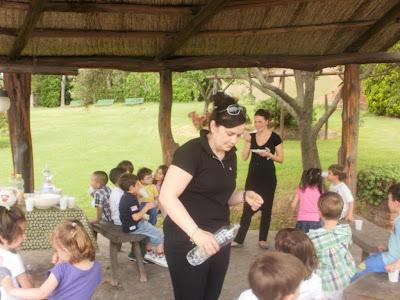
(206, 241)
(253, 199)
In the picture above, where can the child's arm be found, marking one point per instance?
(295, 202)
(139, 215)
(350, 213)
(393, 266)
(31, 293)
(25, 280)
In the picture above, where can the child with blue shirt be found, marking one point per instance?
(386, 260)
(131, 215)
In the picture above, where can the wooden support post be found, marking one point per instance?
(18, 86)
(63, 84)
(282, 112)
(350, 123)
(326, 123)
(168, 144)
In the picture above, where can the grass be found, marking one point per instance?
(74, 142)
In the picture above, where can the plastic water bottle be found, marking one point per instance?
(224, 236)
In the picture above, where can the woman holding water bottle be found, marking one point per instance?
(197, 191)
(266, 148)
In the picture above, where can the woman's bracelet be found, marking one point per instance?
(244, 196)
(193, 231)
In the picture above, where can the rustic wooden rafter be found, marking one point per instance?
(31, 18)
(119, 34)
(389, 17)
(205, 13)
(147, 64)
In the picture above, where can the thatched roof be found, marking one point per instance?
(146, 33)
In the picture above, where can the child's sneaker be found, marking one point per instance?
(156, 259)
(132, 257)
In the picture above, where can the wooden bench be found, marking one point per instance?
(370, 237)
(104, 102)
(116, 237)
(134, 101)
(372, 286)
(76, 103)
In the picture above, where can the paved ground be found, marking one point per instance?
(158, 285)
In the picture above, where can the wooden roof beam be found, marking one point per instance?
(31, 18)
(206, 12)
(115, 34)
(390, 16)
(147, 64)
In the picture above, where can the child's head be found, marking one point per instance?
(276, 276)
(98, 179)
(336, 173)
(394, 198)
(145, 176)
(126, 165)
(72, 243)
(115, 174)
(160, 173)
(129, 183)
(330, 205)
(296, 242)
(12, 227)
(311, 178)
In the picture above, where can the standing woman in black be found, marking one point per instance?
(196, 194)
(266, 148)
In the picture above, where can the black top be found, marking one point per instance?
(261, 169)
(207, 194)
(128, 206)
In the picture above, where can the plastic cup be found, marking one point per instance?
(63, 202)
(359, 224)
(29, 203)
(394, 276)
(71, 202)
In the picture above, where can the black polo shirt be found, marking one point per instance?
(207, 194)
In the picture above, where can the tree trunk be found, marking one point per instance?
(63, 82)
(308, 143)
(350, 124)
(168, 144)
(18, 86)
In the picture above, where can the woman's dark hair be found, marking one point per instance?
(220, 114)
(263, 113)
(310, 178)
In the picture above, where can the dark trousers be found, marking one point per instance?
(203, 282)
(307, 225)
(266, 211)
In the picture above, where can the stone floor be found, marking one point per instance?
(158, 285)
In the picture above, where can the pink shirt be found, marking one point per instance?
(308, 204)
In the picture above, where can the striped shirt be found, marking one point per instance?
(336, 264)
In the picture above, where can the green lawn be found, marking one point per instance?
(74, 142)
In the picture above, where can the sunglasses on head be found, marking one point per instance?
(234, 109)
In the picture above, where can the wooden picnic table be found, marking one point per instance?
(41, 223)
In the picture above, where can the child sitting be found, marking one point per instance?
(296, 242)
(387, 260)
(332, 243)
(126, 165)
(12, 227)
(159, 176)
(307, 195)
(274, 276)
(75, 275)
(116, 194)
(148, 192)
(101, 196)
(337, 176)
(132, 219)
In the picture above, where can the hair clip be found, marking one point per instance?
(73, 224)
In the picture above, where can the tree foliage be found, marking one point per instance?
(382, 89)
(47, 90)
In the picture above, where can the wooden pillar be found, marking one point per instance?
(168, 144)
(282, 110)
(350, 124)
(18, 86)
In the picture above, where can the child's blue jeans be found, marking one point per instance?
(373, 264)
(152, 213)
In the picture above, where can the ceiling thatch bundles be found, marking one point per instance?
(179, 35)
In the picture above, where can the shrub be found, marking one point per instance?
(271, 104)
(373, 183)
(47, 89)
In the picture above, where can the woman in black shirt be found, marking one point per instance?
(197, 191)
(266, 148)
